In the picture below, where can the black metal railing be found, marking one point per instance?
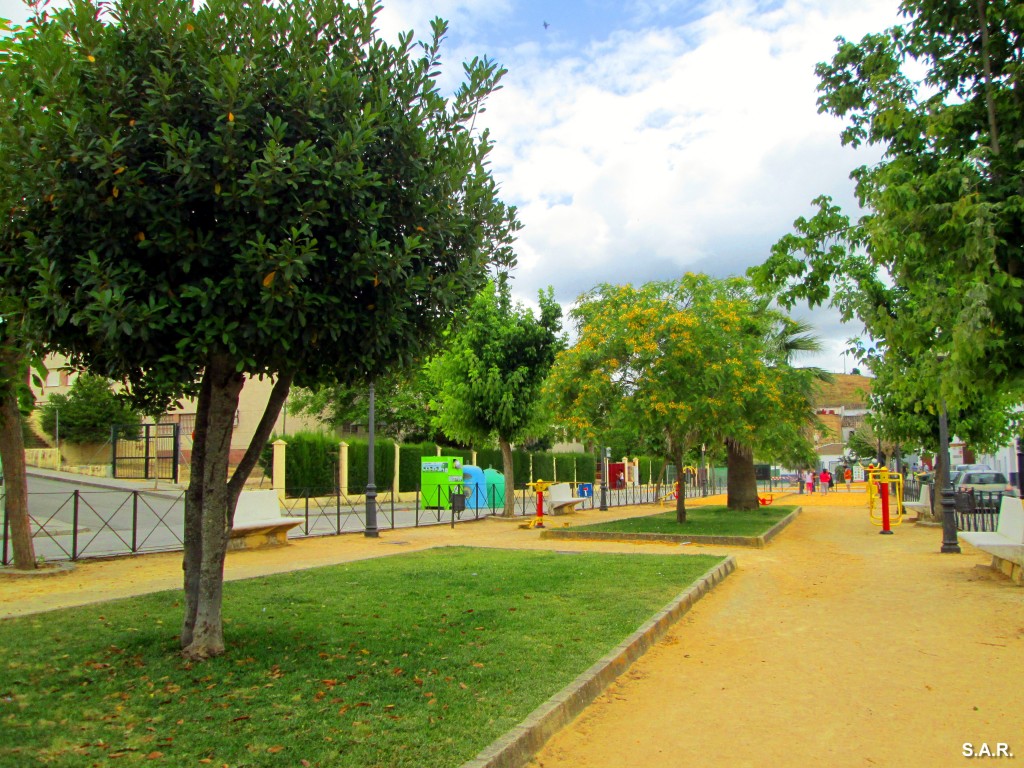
(977, 510)
(106, 523)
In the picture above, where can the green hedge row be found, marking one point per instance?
(311, 463)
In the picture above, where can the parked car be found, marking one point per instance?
(982, 480)
(967, 467)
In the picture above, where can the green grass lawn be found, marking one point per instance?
(700, 521)
(415, 660)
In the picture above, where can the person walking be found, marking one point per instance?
(826, 480)
(809, 480)
(848, 478)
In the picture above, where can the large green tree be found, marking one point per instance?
(488, 379)
(241, 189)
(934, 262)
(17, 350)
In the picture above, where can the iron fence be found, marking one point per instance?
(108, 523)
(977, 510)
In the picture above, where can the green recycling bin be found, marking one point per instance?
(494, 489)
(440, 479)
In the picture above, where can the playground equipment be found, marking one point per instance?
(674, 494)
(879, 480)
(539, 486)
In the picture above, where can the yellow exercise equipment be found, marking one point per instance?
(878, 477)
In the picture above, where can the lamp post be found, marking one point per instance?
(606, 454)
(949, 540)
(371, 530)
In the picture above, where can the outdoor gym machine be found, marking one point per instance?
(879, 480)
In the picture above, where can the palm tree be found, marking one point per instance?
(786, 340)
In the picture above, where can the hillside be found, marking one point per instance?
(846, 390)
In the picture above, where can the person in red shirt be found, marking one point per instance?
(826, 480)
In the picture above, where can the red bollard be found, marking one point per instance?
(883, 492)
(540, 510)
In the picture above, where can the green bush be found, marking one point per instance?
(543, 466)
(311, 463)
(490, 457)
(565, 466)
(410, 457)
(383, 464)
(87, 412)
(586, 468)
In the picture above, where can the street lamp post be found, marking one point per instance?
(949, 540)
(606, 454)
(371, 530)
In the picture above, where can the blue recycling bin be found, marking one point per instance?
(475, 486)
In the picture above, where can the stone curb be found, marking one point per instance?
(517, 747)
(758, 542)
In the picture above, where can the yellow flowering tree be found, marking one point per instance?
(684, 362)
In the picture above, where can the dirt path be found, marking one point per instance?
(834, 647)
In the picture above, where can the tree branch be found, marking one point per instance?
(263, 431)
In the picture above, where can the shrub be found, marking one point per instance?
(87, 412)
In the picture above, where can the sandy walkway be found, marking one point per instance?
(834, 647)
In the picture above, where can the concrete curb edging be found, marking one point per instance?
(729, 541)
(517, 747)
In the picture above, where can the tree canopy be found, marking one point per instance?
(933, 264)
(686, 362)
(488, 379)
(236, 189)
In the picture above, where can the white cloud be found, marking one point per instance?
(662, 150)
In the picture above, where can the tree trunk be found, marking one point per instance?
(211, 499)
(510, 488)
(938, 483)
(203, 634)
(741, 482)
(681, 486)
(986, 66)
(12, 455)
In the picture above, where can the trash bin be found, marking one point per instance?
(440, 480)
(475, 486)
(494, 489)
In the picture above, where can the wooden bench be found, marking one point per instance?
(1006, 543)
(559, 499)
(258, 522)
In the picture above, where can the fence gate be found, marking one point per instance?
(145, 451)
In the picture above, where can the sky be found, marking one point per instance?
(641, 139)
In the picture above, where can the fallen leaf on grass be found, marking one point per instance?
(275, 749)
(154, 755)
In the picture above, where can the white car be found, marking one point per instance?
(981, 480)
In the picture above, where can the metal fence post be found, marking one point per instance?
(74, 528)
(135, 521)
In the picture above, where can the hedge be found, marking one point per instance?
(312, 464)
